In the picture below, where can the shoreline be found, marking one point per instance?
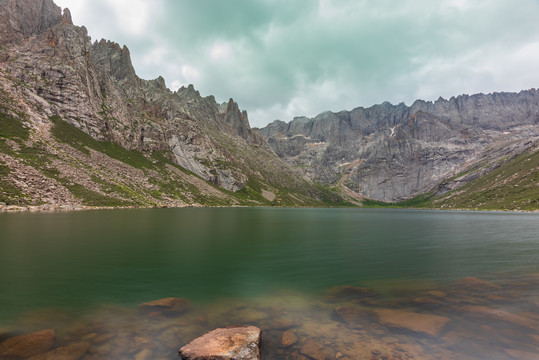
(69, 208)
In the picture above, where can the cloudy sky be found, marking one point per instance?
(284, 58)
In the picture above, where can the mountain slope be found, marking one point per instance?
(392, 153)
(511, 185)
(78, 126)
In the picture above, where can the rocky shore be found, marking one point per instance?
(468, 319)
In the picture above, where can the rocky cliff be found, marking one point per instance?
(98, 127)
(395, 152)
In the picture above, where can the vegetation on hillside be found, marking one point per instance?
(130, 178)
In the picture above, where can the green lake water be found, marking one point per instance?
(83, 262)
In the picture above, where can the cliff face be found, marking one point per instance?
(50, 68)
(23, 18)
(394, 152)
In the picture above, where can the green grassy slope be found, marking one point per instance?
(101, 173)
(512, 186)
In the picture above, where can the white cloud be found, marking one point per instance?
(220, 51)
(134, 16)
(331, 55)
(190, 73)
(157, 56)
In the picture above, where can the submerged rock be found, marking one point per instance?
(521, 355)
(69, 352)
(351, 293)
(422, 323)
(472, 284)
(353, 317)
(27, 345)
(315, 350)
(169, 305)
(231, 343)
(288, 338)
(500, 315)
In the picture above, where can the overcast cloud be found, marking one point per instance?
(281, 58)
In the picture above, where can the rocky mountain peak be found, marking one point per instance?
(188, 91)
(112, 59)
(22, 18)
(394, 152)
(66, 17)
(237, 119)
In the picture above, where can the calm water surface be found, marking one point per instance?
(272, 263)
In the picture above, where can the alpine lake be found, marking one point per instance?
(320, 283)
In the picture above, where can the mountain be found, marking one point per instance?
(393, 153)
(79, 127)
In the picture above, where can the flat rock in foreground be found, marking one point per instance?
(231, 343)
(423, 323)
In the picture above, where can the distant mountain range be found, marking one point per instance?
(79, 128)
(392, 153)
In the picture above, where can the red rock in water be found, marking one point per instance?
(231, 343)
(288, 338)
(27, 345)
(166, 305)
(424, 323)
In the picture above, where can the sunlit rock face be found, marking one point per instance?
(394, 152)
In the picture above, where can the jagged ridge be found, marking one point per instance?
(395, 152)
(51, 73)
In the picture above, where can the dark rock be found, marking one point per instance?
(169, 305)
(232, 343)
(27, 345)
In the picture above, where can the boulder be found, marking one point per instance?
(230, 343)
(422, 323)
(27, 345)
(171, 305)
